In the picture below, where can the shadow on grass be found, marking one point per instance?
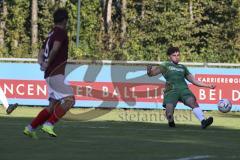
(118, 140)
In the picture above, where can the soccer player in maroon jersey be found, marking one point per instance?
(53, 59)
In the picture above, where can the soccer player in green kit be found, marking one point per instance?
(176, 88)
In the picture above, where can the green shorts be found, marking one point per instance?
(174, 95)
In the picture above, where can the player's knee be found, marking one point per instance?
(169, 107)
(68, 102)
(192, 102)
(52, 104)
(169, 113)
(53, 101)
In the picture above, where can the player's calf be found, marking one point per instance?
(60, 110)
(169, 115)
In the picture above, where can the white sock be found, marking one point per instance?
(198, 113)
(48, 123)
(30, 127)
(3, 98)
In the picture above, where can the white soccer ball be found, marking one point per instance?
(224, 105)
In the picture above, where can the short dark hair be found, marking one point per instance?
(172, 50)
(60, 15)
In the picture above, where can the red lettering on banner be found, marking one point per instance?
(228, 86)
(25, 89)
(109, 91)
(106, 91)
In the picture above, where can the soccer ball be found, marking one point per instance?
(224, 105)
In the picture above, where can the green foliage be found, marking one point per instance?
(210, 32)
(17, 24)
(45, 19)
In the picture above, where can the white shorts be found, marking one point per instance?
(58, 88)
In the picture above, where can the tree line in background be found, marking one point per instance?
(205, 31)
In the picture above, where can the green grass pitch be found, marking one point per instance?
(87, 134)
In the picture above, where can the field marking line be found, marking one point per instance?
(196, 157)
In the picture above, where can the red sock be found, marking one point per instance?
(40, 119)
(58, 113)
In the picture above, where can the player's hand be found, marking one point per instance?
(212, 86)
(149, 69)
(43, 66)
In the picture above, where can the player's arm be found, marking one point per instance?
(54, 51)
(153, 70)
(194, 81)
(41, 62)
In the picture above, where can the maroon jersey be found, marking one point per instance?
(59, 62)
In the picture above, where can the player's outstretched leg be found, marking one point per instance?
(58, 113)
(197, 111)
(199, 115)
(11, 108)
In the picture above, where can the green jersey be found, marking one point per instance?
(175, 75)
